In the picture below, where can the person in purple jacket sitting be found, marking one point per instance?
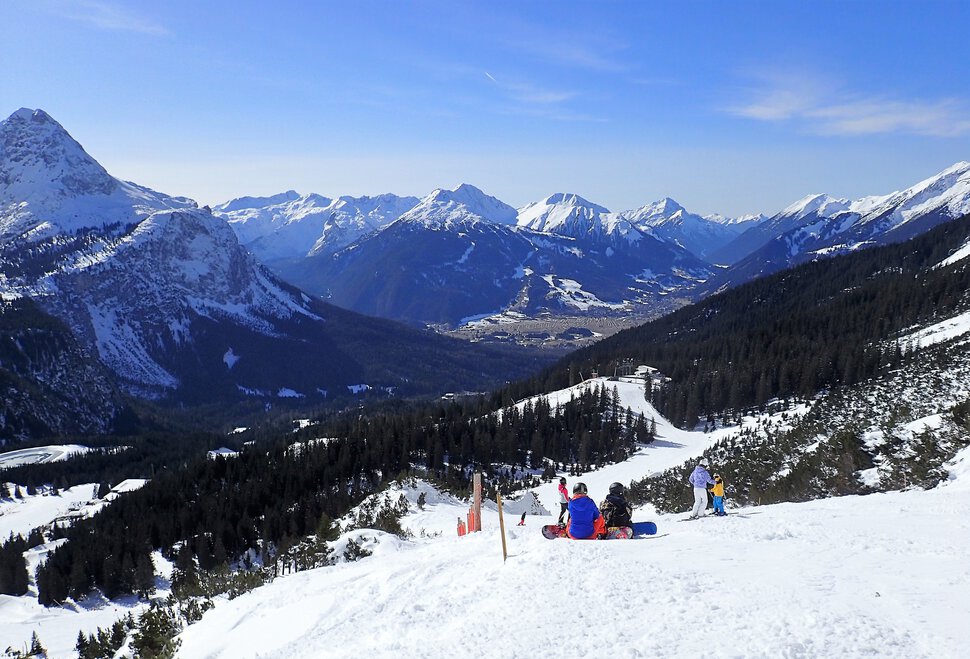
(700, 478)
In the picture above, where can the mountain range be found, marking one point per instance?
(162, 297)
(820, 226)
(163, 300)
(461, 255)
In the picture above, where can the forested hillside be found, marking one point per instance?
(271, 497)
(828, 323)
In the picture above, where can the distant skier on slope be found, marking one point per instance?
(585, 520)
(700, 478)
(563, 499)
(616, 510)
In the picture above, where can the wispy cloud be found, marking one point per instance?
(827, 109)
(527, 98)
(531, 94)
(105, 15)
(574, 51)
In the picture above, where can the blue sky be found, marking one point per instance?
(731, 107)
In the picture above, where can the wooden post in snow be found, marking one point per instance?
(501, 526)
(477, 501)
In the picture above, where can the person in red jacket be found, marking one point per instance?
(563, 499)
(585, 521)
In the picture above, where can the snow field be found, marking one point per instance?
(20, 516)
(882, 575)
(832, 578)
(40, 454)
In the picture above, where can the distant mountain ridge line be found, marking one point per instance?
(164, 304)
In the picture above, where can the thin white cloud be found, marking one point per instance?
(528, 93)
(575, 51)
(945, 118)
(525, 98)
(825, 109)
(106, 15)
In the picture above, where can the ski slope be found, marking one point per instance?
(671, 447)
(883, 575)
(832, 578)
(40, 454)
(58, 626)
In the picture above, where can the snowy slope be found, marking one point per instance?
(947, 192)
(40, 454)
(956, 257)
(671, 447)
(58, 626)
(805, 579)
(944, 330)
(22, 515)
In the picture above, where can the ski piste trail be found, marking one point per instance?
(882, 575)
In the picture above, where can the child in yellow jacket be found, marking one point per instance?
(719, 496)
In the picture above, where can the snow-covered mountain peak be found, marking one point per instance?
(39, 158)
(952, 182)
(466, 203)
(748, 220)
(245, 203)
(946, 194)
(569, 199)
(50, 185)
(820, 204)
(289, 225)
(666, 206)
(657, 213)
(565, 213)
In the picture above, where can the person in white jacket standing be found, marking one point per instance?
(700, 478)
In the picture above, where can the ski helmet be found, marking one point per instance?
(704, 462)
(579, 488)
(562, 479)
(616, 489)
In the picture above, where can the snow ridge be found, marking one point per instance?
(466, 204)
(290, 225)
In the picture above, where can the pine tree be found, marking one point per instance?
(37, 648)
(82, 645)
(154, 637)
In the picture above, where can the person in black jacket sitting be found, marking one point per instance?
(616, 510)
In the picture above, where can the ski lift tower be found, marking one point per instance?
(625, 367)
